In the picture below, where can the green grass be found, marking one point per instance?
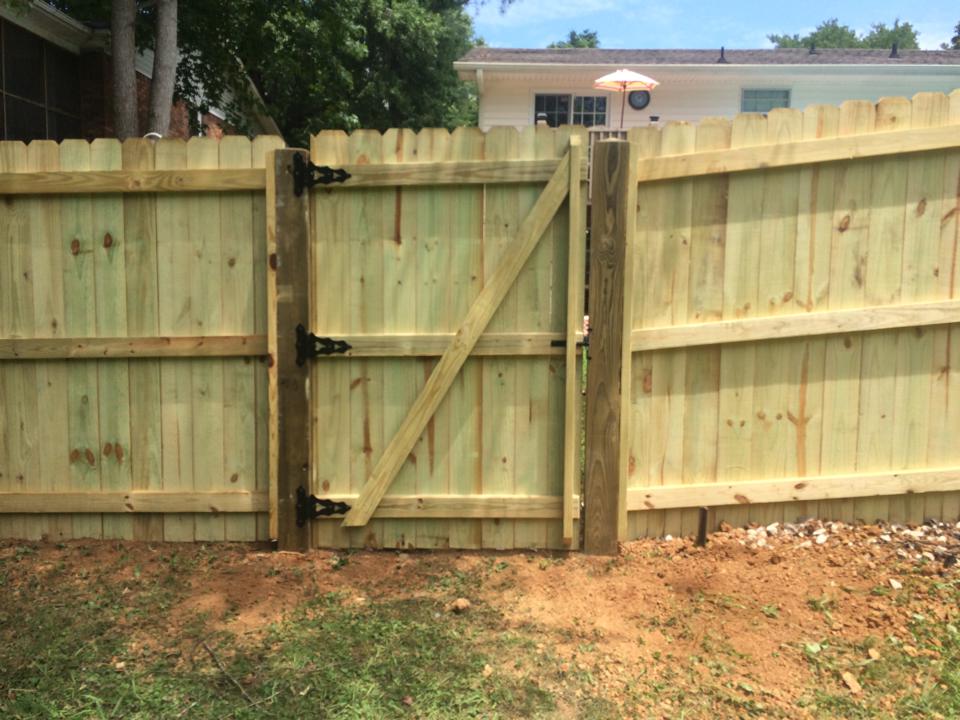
(81, 639)
(67, 654)
(914, 678)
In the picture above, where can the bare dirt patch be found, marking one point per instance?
(747, 618)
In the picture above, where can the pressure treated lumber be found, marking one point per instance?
(576, 241)
(613, 188)
(131, 181)
(134, 501)
(128, 347)
(831, 322)
(828, 487)
(288, 305)
(479, 315)
(434, 344)
(803, 152)
(464, 172)
(516, 507)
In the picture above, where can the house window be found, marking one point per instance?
(565, 109)
(554, 108)
(590, 111)
(764, 100)
(39, 88)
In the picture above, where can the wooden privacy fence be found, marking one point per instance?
(196, 337)
(132, 336)
(789, 311)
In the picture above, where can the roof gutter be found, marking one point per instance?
(468, 66)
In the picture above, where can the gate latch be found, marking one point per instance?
(311, 346)
(310, 507)
(306, 174)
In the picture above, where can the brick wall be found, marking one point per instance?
(96, 101)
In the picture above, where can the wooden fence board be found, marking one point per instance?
(175, 258)
(80, 319)
(140, 256)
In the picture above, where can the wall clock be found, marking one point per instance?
(639, 99)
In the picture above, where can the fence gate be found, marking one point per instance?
(428, 296)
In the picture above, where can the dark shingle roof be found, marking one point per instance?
(791, 56)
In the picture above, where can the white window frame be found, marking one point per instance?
(532, 102)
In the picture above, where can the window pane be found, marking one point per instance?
(556, 108)
(25, 121)
(63, 80)
(764, 100)
(23, 61)
(587, 104)
(601, 104)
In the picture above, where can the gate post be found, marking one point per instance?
(288, 253)
(612, 229)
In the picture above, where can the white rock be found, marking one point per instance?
(821, 539)
(885, 537)
(668, 538)
(761, 542)
(896, 584)
(773, 528)
(805, 544)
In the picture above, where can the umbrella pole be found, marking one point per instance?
(623, 105)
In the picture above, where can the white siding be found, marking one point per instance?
(692, 93)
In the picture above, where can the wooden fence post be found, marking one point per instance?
(288, 253)
(612, 225)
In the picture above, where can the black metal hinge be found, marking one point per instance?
(310, 507)
(311, 346)
(306, 174)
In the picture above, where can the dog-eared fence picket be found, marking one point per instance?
(212, 340)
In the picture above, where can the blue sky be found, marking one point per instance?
(687, 24)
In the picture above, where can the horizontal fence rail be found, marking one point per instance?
(798, 489)
(131, 347)
(434, 344)
(791, 154)
(828, 322)
(135, 501)
(90, 182)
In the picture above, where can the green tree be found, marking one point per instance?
(583, 39)
(831, 34)
(315, 64)
(954, 43)
(881, 36)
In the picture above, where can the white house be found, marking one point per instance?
(515, 86)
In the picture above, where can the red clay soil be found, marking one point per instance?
(662, 609)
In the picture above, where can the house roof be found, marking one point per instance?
(480, 56)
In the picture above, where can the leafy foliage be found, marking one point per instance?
(583, 39)
(954, 43)
(314, 64)
(831, 34)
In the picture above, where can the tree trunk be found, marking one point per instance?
(164, 67)
(123, 48)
